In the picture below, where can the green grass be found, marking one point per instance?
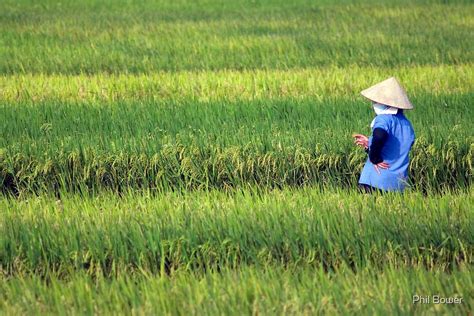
(157, 95)
(144, 37)
(231, 85)
(248, 291)
(140, 140)
(217, 144)
(212, 230)
(293, 251)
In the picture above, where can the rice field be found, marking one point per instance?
(251, 251)
(195, 157)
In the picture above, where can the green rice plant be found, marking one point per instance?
(121, 118)
(191, 167)
(220, 144)
(145, 37)
(231, 85)
(149, 95)
(249, 290)
(110, 235)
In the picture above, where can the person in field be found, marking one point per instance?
(386, 168)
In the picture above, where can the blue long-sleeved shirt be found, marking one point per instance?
(395, 152)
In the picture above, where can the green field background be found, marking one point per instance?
(76, 37)
(195, 157)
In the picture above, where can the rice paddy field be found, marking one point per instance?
(195, 157)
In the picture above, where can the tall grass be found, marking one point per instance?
(228, 85)
(193, 167)
(108, 235)
(219, 144)
(247, 291)
(146, 37)
(91, 99)
(114, 112)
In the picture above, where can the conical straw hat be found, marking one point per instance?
(389, 92)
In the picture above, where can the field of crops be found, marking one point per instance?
(196, 157)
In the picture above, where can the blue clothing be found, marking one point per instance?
(395, 152)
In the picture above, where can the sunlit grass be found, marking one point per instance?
(194, 157)
(146, 37)
(248, 290)
(203, 86)
(219, 144)
(212, 230)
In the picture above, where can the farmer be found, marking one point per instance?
(392, 137)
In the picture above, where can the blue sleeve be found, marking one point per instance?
(382, 121)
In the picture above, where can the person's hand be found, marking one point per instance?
(361, 140)
(381, 165)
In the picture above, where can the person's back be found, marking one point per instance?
(395, 152)
(392, 137)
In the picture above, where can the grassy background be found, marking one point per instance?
(169, 145)
(211, 230)
(223, 129)
(247, 291)
(72, 37)
(121, 94)
(119, 116)
(293, 251)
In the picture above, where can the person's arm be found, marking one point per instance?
(379, 137)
